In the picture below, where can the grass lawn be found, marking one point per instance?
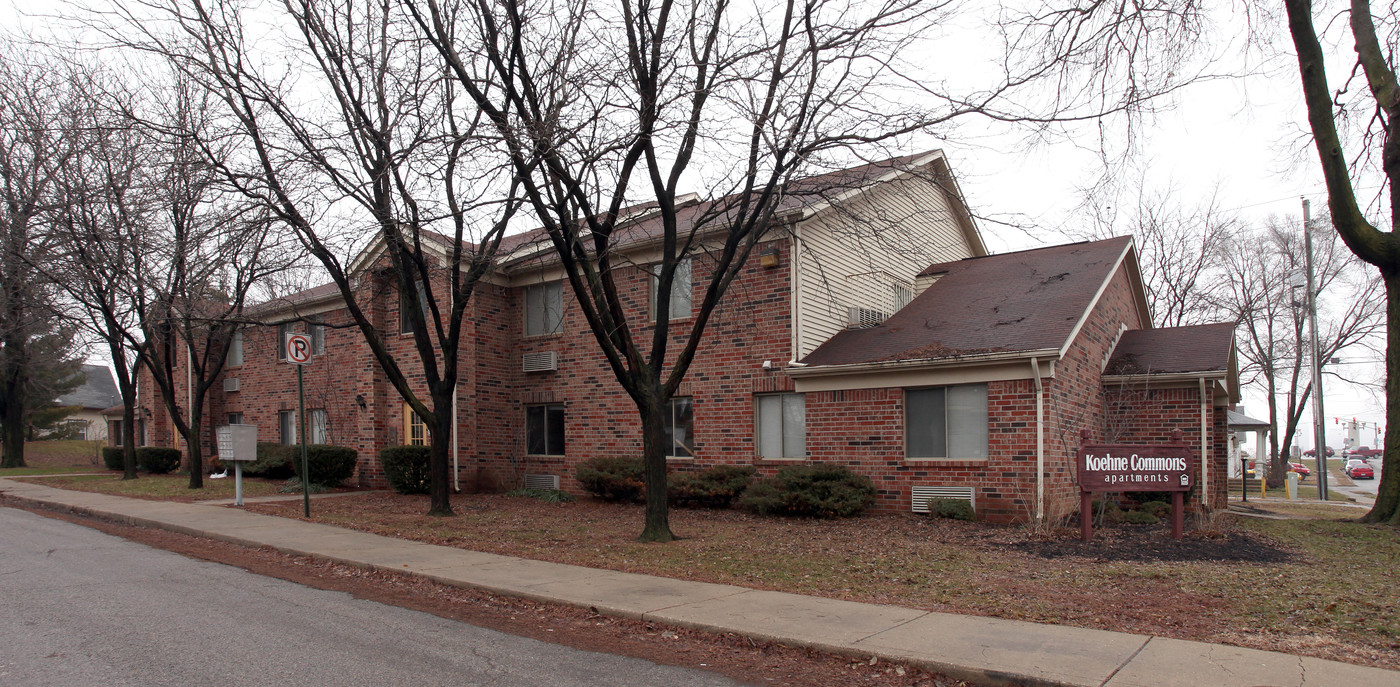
(64, 454)
(32, 470)
(1312, 583)
(171, 487)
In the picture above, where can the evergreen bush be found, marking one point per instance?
(1137, 517)
(158, 460)
(112, 458)
(820, 490)
(953, 509)
(326, 465)
(406, 468)
(716, 487)
(613, 478)
(274, 461)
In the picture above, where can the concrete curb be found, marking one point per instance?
(978, 649)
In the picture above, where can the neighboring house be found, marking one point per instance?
(838, 342)
(97, 393)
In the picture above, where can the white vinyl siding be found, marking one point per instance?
(845, 258)
(782, 426)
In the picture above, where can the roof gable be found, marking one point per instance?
(1174, 350)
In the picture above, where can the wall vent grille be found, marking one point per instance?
(921, 495)
(547, 361)
(541, 481)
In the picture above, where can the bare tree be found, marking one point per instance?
(1374, 109)
(37, 133)
(381, 148)
(99, 232)
(1273, 318)
(1182, 247)
(610, 110)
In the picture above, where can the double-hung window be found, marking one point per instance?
(282, 331)
(235, 349)
(287, 425)
(680, 291)
(680, 426)
(316, 430)
(544, 308)
(405, 318)
(782, 426)
(946, 422)
(318, 338)
(544, 430)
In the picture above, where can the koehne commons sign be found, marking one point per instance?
(1135, 467)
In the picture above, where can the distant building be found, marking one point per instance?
(97, 393)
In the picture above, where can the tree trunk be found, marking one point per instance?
(440, 456)
(12, 431)
(654, 450)
(128, 437)
(193, 445)
(1387, 508)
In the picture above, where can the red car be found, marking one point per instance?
(1299, 468)
(1312, 453)
(1360, 471)
(1366, 452)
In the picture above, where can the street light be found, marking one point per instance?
(1319, 427)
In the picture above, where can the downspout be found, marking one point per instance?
(1205, 457)
(456, 420)
(795, 284)
(1039, 442)
(189, 391)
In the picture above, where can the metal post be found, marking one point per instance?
(237, 482)
(301, 432)
(1319, 428)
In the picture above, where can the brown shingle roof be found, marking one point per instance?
(1199, 348)
(1024, 301)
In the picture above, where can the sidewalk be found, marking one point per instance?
(972, 648)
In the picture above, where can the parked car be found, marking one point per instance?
(1301, 469)
(1312, 452)
(1360, 470)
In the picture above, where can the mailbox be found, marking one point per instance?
(238, 442)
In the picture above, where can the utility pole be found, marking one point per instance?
(1319, 426)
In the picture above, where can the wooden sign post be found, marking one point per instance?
(1116, 468)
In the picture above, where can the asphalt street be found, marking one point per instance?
(84, 608)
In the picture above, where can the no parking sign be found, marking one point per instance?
(298, 349)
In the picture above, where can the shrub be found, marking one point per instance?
(406, 468)
(1156, 508)
(112, 458)
(327, 465)
(613, 478)
(953, 509)
(1137, 517)
(546, 495)
(157, 460)
(716, 487)
(274, 462)
(819, 490)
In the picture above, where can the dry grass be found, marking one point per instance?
(172, 487)
(1275, 587)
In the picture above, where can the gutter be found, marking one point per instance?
(920, 363)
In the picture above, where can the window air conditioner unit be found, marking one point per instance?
(230, 384)
(548, 361)
(858, 317)
(541, 481)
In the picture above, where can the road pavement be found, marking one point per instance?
(85, 608)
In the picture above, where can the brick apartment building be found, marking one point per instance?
(874, 331)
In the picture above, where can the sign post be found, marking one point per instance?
(299, 354)
(1134, 467)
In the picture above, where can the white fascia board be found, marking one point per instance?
(901, 373)
(1094, 302)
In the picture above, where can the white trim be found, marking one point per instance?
(1093, 302)
(910, 373)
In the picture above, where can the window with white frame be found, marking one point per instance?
(544, 308)
(318, 338)
(946, 422)
(405, 319)
(680, 304)
(282, 331)
(544, 429)
(782, 426)
(415, 430)
(680, 428)
(287, 426)
(235, 349)
(316, 426)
